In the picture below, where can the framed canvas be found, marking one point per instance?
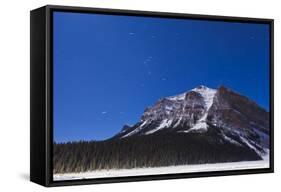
(122, 95)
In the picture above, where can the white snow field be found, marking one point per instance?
(164, 170)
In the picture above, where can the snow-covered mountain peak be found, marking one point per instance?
(177, 97)
(188, 110)
(204, 91)
(201, 87)
(207, 93)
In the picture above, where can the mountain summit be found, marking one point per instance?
(234, 118)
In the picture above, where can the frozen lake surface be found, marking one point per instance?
(164, 170)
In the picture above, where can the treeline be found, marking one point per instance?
(153, 150)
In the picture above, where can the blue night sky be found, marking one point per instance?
(108, 69)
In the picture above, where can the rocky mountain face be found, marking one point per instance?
(234, 118)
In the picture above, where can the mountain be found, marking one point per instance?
(200, 126)
(236, 119)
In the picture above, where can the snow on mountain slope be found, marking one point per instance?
(164, 124)
(208, 96)
(135, 130)
(177, 97)
(207, 93)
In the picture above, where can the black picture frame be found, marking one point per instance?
(41, 133)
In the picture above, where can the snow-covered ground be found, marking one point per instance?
(164, 170)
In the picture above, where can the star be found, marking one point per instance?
(147, 60)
